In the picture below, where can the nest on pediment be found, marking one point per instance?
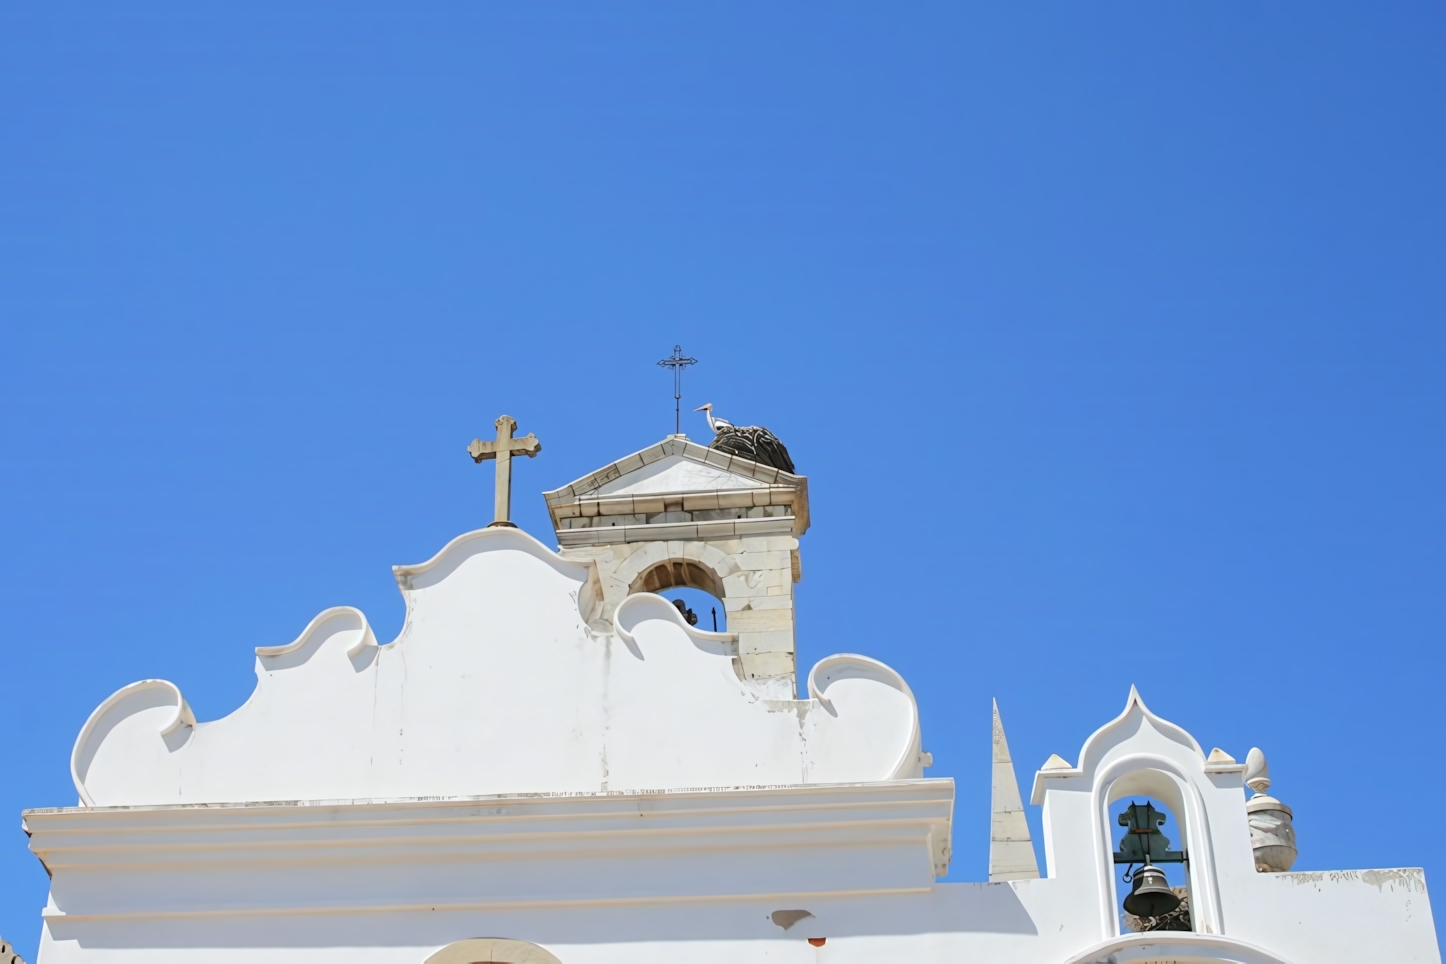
(755, 443)
(1177, 920)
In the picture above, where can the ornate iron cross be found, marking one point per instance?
(677, 362)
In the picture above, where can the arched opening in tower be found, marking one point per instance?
(695, 586)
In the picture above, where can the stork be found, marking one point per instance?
(752, 442)
(716, 424)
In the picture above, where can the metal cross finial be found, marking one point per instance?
(502, 450)
(677, 362)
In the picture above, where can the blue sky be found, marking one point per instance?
(1114, 330)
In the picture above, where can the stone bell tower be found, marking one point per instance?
(683, 514)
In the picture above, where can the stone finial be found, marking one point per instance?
(1257, 771)
(1272, 831)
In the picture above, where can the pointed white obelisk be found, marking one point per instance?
(1011, 855)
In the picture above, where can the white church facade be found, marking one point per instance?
(552, 764)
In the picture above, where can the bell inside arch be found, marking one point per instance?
(1152, 903)
(1151, 895)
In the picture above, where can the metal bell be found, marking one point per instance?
(1151, 895)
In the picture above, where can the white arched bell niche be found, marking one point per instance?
(1164, 947)
(1151, 775)
(492, 950)
(1139, 754)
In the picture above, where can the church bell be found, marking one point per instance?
(1151, 895)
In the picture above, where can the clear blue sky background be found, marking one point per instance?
(1134, 310)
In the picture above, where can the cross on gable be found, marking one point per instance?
(502, 449)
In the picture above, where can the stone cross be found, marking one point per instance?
(502, 450)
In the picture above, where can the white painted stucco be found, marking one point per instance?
(497, 685)
(516, 778)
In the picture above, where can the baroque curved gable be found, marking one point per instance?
(496, 684)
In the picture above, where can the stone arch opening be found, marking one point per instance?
(677, 572)
(696, 586)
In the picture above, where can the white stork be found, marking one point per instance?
(716, 424)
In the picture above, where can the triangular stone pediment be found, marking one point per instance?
(676, 473)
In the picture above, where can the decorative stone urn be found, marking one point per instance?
(1272, 833)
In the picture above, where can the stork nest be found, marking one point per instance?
(755, 443)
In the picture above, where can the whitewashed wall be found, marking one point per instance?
(501, 771)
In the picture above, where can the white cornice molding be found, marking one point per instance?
(878, 836)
